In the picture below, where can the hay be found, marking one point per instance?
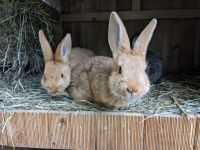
(28, 95)
(20, 21)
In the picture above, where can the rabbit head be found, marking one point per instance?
(57, 73)
(129, 74)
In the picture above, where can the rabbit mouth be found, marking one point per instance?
(55, 92)
(133, 96)
(136, 96)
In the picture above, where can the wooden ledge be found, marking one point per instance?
(98, 130)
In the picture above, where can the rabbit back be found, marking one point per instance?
(79, 55)
(90, 81)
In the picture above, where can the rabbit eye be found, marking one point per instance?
(62, 75)
(120, 70)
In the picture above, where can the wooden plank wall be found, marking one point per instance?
(176, 40)
(100, 130)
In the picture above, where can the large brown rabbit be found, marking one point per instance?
(57, 72)
(113, 82)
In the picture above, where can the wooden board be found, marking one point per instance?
(197, 134)
(170, 4)
(72, 130)
(155, 5)
(119, 132)
(100, 130)
(133, 15)
(197, 43)
(136, 4)
(97, 38)
(3, 133)
(108, 5)
(123, 5)
(176, 38)
(28, 129)
(66, 6)
(169, 133)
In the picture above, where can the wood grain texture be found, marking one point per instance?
(3, 133)
(133, 15)
(170, 4)
(187, 43)
(164, 48)
(100, 130)
(197, 134)
(119, 132)
(78, 33)
(97, 38)
(197, 39)
(184, 4)
(169, 133)
(136, 4)
(123, 5)
(155, 4)
(176, 38)
(66, 6)
(92, 5)
(72, 131)
(28, 129)
(108, 5)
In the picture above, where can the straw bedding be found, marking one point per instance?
(20, 21)
(176, 94)
(20, 54)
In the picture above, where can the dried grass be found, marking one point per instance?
(28, 95)
(20, 21)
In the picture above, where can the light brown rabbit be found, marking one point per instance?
(57, 72)
(113, 82)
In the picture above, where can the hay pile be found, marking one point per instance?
(174, 95)
(20, 21)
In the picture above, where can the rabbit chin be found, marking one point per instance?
(57, 93)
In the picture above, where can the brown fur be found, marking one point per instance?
(79, 55)
(57, 72)
(100, 80)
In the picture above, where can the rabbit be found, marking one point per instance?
(154, 68)
(115, 81)
(57, 71)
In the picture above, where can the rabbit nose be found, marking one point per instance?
(132, 90)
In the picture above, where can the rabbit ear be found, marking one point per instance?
(144, 38)
(46, 48)
(64, 49)
(117, 35)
